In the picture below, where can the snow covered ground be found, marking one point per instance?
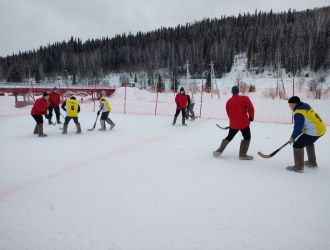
(149, 185)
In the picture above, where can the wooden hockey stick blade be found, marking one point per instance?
(221, 126)
(263, 155)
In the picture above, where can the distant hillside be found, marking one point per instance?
(291, 40)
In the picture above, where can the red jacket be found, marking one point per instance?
(181, 101)
(54, 99)
(40, 107)
(239, 110)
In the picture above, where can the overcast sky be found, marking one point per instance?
(27, 24)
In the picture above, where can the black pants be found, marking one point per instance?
(305, 140)
(57, 112)
(245, 132)
(177, 112)
(104, 115)
(38, 119)
(67, 120)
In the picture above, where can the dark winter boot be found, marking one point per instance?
(35, 129)
(41, 130)
(220, 150)
(174, 120)
(311, 163)
(65, 128)
(103, 127)
(78, 128)
(112, 124)
(244, 147)
(298, 155)
(184, 121)
(50, 121)
(59, 121)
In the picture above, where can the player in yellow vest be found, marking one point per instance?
(105, 108)
(308, 127)
(72, 108)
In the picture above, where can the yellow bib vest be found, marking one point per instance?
(106, 107)
(72, 108)
(313, 123)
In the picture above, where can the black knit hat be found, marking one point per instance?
(235, 90)
(181, 89)
(44, 94)
(294, 99)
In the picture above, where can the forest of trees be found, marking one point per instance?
(291, 40)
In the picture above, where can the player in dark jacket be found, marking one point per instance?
(39, 109)
(190, 107)
(240, 112)
(181, 101)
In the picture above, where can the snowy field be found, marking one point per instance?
(148, 185)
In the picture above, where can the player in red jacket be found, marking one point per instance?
(181, 101)
(240, 112)
(39, 109)
(54, 103)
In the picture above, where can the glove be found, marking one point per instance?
(47, 116)
(251, 119)
(291, 140)
(98, 112)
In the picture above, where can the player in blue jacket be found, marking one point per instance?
(308, 127)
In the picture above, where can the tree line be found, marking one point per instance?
(291, 40)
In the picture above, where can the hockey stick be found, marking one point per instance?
(49, 120)
(221, 126)
(91, 129)
(52, 123)
(274, 153)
